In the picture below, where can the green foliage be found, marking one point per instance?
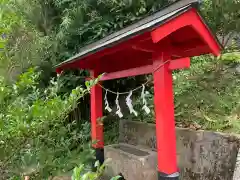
(60, 28)
(87, 21)
(82, 173)
(206, 95)
(231, 57)
(24, 44)
(8, 19)
(36, 137)
(223, 17)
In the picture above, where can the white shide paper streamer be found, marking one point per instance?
(106, 103)
(143, 94)
(118, 112)
(129, 104)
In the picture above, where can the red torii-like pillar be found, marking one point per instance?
(158, 44)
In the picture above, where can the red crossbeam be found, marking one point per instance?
(181, 63)
(128, 73)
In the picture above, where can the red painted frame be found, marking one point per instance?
(96, 114)
(189, 18)
(183, 36)
(182, 63)
(164, 114)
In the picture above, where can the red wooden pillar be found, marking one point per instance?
(165, 123)
(96, 113)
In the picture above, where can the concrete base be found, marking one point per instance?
(202, 155)
(133, 162)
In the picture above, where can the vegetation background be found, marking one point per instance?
(44, 119)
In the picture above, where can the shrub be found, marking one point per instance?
(36, 137)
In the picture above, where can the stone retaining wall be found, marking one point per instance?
(202, 155)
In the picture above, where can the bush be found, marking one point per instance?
(36, 137)
(80, 173)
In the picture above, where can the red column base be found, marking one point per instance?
(99, 154)
(121, 177)
(163, 176)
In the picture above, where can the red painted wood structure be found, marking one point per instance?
(168, 39)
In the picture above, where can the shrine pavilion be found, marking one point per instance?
(157, 45)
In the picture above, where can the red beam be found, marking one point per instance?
(182, 63)
(128, 73)
(174, 64)
(146, 46)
